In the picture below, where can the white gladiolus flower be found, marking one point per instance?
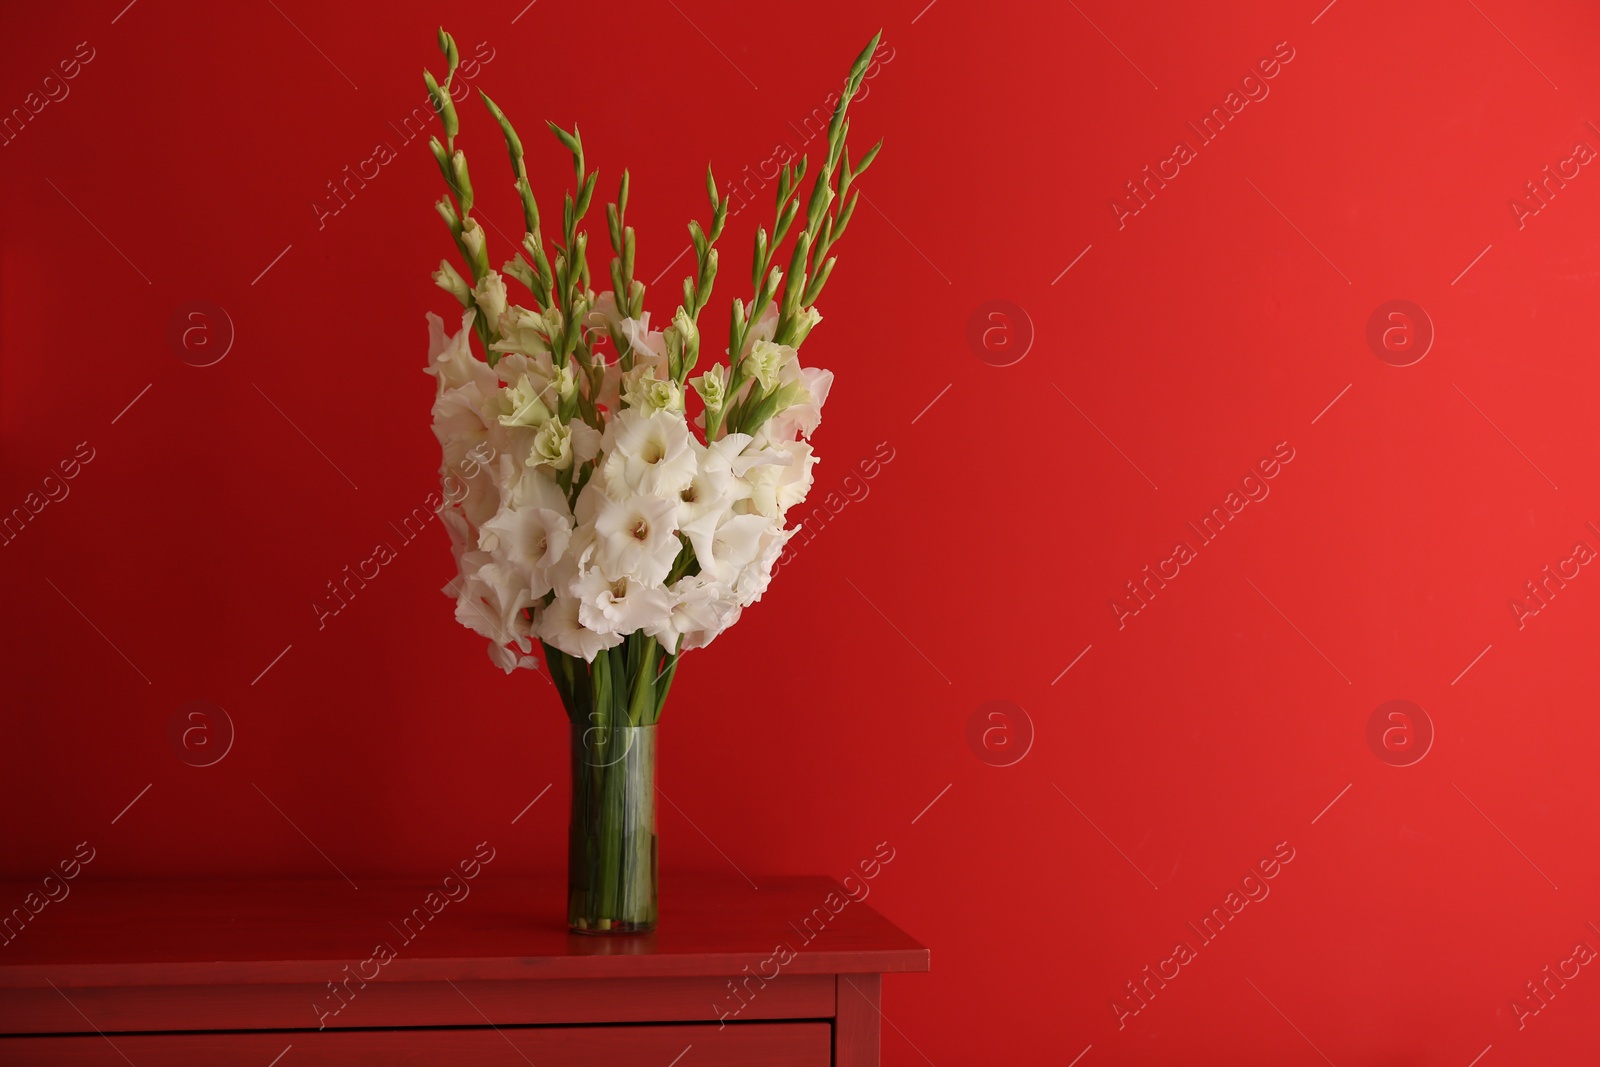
(529, 378)
(559, 627)
(458, 420)
(753, 579)
(712, 387)
(552, 446)
(794, 484)
(523, 487)
(766, 362)
(801, 394)
(522, 331)
(450, 360)
(491, 598)
(509, 659)
(523, 404)
(604, 313)
(740, 453)
(649, 346)
(696, 606)
(764, 329)
(636, 537)
(464, 439)
(647, 394)
(693, 639)
(467, 391)
(648, 454)
(455, 524)
(585, 441)
(710, 491)
(621, 605)
(777, 486)
(725, 544)
(512, 367)
(519, 268)
(610, 395)
(529, 539)
(490, 296)
(478, 496)
(577, 561)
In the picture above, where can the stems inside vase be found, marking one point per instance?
(611, 860)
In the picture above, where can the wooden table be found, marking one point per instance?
(436, 973)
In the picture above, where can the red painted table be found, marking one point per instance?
(420, 973)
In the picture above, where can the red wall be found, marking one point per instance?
(1188, 744)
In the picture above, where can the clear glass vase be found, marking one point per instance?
(611, 840)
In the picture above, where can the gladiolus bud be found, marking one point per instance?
(712, 387)
(450, 280)
(472, 237)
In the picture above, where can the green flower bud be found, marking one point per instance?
(443, 105)
(685, 328)
(463, 184)
(807, 319)
(451, 281)
(447, 45)
(566, 383)
(472, 238)
(447, 211)
(519, 268)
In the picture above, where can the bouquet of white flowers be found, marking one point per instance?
(584, 511)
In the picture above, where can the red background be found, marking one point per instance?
(1216, 323)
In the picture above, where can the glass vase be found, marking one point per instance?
(611, 840)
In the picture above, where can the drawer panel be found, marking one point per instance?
(737, 1045)
(388, 1004)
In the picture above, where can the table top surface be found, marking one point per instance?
(490, 927)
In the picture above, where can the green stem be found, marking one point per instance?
(665, 684)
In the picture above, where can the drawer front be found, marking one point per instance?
(739, 1045)
(73, 1009)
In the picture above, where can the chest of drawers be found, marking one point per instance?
(293, 974)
